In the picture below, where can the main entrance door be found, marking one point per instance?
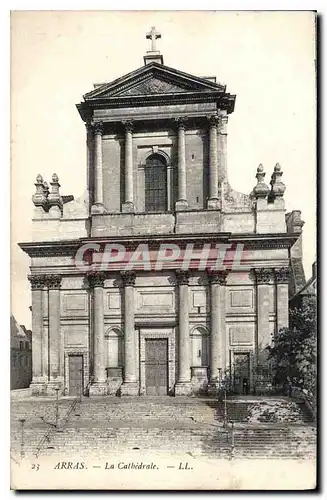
(75, 375)
(242, 373)
(156, 361)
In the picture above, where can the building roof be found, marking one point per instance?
(154, 82)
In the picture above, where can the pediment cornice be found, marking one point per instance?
(153, 79)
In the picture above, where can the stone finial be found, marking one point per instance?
(39, 198)
(55, 178)
(54, 197)
(261, 189)
(277, 186)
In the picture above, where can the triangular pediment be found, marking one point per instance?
(153, 85)
(153, 79)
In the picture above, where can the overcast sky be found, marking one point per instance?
(265, 58)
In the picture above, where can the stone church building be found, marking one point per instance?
(157, 177)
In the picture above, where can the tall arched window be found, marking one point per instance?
(155, 184)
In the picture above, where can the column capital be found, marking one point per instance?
(98, 128)
(53, 281)
(129, 125)
(263, 275)
(96, 278)
(223, 121)
(89, 126)
(128, 278)
(282, 275)
(37, 281)
(181, 122)
(213, 120)
(218, 277)
(182, 277)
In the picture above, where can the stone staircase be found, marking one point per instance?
(110, 425)
(275, 443)
(263, 410)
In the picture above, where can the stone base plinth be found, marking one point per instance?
(38, 388)
(97, 208)
(199, 379)
(98, 389)
(53, 385)
(129, 389)
(127, 207)
(181, 205)
(213, 204)
(212, 388)
(183, 389)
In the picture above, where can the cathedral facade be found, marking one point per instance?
(161, 279)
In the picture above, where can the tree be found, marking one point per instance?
(293, 351)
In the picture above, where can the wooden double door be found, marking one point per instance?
(156, 367)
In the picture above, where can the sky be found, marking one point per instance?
(265, 58)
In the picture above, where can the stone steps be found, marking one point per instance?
(112, 425)
(242, 411)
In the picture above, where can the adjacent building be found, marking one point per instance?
(20, 355)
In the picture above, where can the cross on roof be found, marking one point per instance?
(153, 35)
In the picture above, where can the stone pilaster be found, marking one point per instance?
(217, 280)
(89, 161)
(99, 386)
(38, 384)
(213, 202)
(98, 207)
(56, 366)
(130, 386)
(264, 279)
(282, 277)
(181, 203)
(128, 205)
(222, 147)
(183, 386)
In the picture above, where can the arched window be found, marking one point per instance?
(155, 184)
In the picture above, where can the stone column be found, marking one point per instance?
(222, 147)
(213, 202)
(183, 386)
(181, 203)
(128, 205)
(89, 163)
(98, 207)
(99, 385)
(130, 386)
(38, 380)
(264, 278)
(282, 278)
(217, 282)
(55, 356)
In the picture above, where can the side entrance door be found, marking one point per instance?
(156, 361)
(75, 375)
(242, 373)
